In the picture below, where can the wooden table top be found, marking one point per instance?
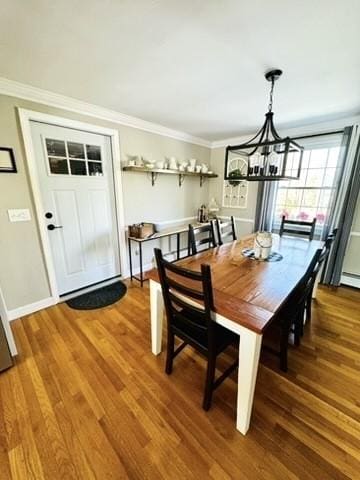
(249, 291)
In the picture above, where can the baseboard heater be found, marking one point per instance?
(350, 279)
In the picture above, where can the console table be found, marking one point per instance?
(164, 233)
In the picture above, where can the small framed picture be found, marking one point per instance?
(7, 160)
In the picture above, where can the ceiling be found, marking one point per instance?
(191, 65)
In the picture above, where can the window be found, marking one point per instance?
(311, 195)
(73, 158)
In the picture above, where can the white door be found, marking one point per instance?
(77, 188)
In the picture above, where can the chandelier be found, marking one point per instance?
(266, 156)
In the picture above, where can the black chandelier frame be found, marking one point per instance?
(266, 140)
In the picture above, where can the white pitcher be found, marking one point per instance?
(262, 245)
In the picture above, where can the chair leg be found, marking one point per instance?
(209, 385)
(299, 325)
(308, 307)
(284, 341)
(298, 329)
(170, 352)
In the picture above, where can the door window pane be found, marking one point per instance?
(78, 167)
(55, 148)
(76, 150)
(71, 158)
(58, 166)
(93, 152)
(95, 168)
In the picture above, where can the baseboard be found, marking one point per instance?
(136, 270)
(350, 280)
(30, 308)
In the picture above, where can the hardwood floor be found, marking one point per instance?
(88, 400)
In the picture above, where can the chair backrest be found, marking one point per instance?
(297, 296)
(312, 271)
(306, 229)
(181, 288)
(226, 230)
(333, 234)
(201, 235)
(321, 258)
(325, 252)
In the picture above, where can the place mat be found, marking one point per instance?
(273, 257)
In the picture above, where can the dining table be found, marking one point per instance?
(247, 295)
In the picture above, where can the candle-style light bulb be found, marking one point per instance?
(250, 165)
(255, 162)
(273, 163)
(261, 165)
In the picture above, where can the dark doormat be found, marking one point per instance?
(102, 297)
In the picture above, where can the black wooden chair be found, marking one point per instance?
(295, 227)
(290, 318)
(225, 230)
(202, 235)
(188, 299)
(322, 261)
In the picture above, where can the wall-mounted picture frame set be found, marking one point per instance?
(7, 160)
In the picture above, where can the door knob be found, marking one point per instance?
(48, 215)
(52, 227)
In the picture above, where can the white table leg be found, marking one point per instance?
(317, 281)
(156, 312)
(314, 292)
(249, 353)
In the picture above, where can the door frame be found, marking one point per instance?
(26, 117)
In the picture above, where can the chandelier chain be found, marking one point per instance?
(271, 94)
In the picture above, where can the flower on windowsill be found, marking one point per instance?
(320, 217)
(303, 216)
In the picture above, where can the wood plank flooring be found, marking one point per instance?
(88, 400)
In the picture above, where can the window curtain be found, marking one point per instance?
(344, 205)
(264, 206)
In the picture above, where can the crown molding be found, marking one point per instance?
(38, 95)
(318, 127)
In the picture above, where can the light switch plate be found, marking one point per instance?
(19, 215)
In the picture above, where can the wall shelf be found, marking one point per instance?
(154, 172)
